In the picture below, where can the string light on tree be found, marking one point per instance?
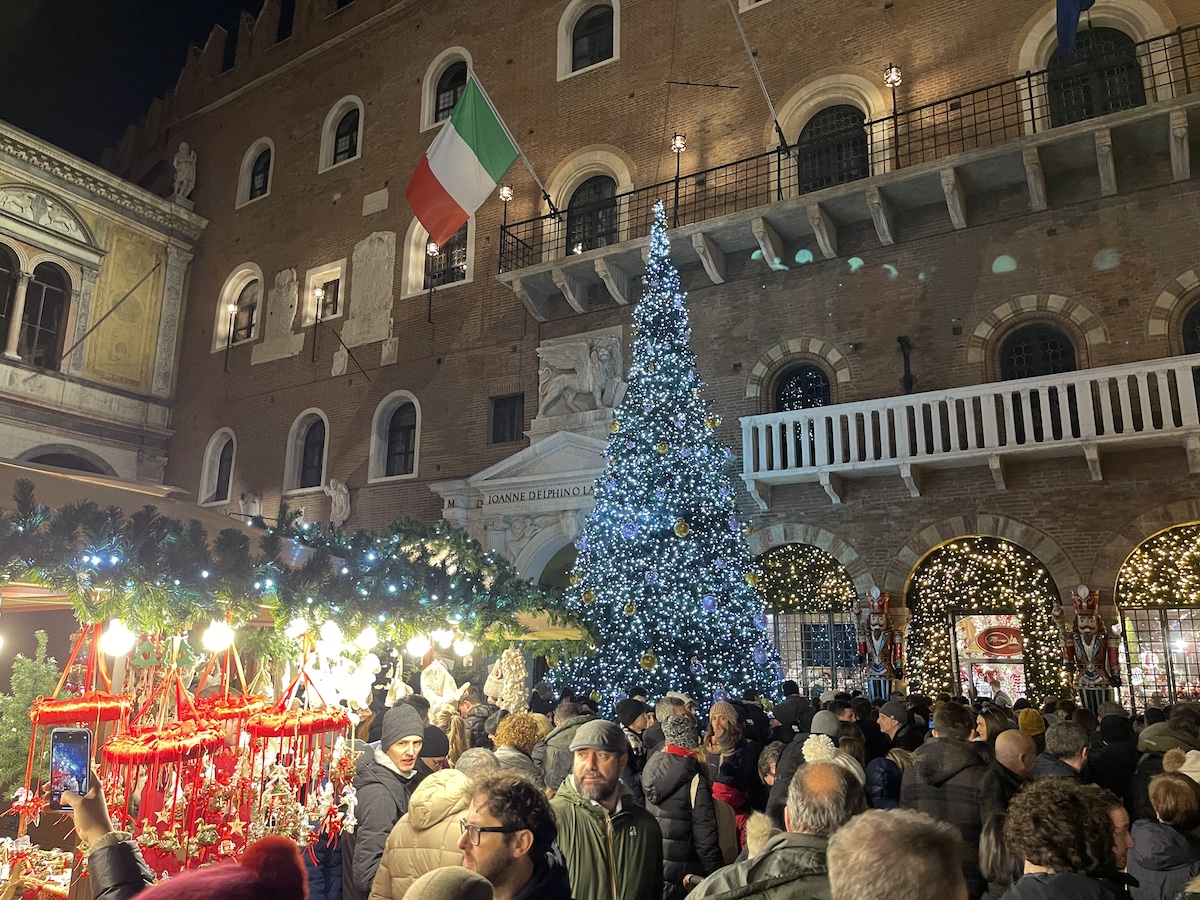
(804, 578)
(985, 575)
(1163, 571)
(664, 575)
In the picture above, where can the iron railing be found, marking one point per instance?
(1169, 67)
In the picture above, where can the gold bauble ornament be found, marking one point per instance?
(614, 426)
(630, 608)
(650, 368)
(589, 597)
(649, 660)
(749, 528)
(682, 529)
(595, 695)
(574, 578)
(752, 579)
(712, 422)
(662, 447)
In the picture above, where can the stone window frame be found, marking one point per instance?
(416, 242)
(573, 171)
(314, 278)
(770, 367)
(1170, 307)
(1085, 329)
(566, 36)
(377, 460)
(433, 74)
(237, 280)
(747, 5)
(243, 187)
(333, 119)
(210, 466)
(294, 457)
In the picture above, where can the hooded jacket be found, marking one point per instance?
(1163, 860)
(616, 857)
(520, 764)
(1067, 886)
(883, 783)
(1153, 743)
(383, 796)
(947, 781)
(558, 755)
(689, 835)
(790, 865)
(426, 838)
(549, 880)
(477, 717)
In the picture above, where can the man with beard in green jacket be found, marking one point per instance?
(613, 847)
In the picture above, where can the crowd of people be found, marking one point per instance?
(832, 797)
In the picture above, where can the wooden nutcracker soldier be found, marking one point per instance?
(1087, 650)
(878, 646)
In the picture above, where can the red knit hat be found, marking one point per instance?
(270, 869)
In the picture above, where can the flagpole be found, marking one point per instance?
(524, 158)
(783, 144)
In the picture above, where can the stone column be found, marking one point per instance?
(83, 319)
(16, 315)
(168, 321)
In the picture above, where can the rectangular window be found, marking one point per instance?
(322, 293)
(327, 307)
(507, 417)
(449, 264)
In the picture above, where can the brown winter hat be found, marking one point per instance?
(1031, 722)
(724, 709)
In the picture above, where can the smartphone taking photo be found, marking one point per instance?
(70, 763)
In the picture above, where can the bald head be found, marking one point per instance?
(822, 798)
(1016, 751)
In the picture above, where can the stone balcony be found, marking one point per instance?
(1084, 413)
(987, 155)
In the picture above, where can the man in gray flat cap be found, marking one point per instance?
(603, 834)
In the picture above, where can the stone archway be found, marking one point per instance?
(777, 535)
(1122, 544)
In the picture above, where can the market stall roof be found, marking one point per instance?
(538, 627)
(53, 487)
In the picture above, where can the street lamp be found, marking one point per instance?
(893, 78)
(506, 194)
(678, 145)
(318, 308)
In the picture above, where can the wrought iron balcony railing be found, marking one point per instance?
(1109, 78)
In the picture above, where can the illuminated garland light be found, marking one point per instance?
(985, 575)
(664, 580)
(1163, 571)
(804, 578)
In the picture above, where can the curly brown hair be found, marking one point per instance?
(1061, 825)
(518, 730)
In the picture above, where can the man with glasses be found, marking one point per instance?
(508, 837)
(613, 847)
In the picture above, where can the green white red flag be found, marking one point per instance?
(462, 166)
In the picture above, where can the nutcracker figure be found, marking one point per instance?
(878, 646)
(1086, 649)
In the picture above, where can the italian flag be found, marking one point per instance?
(462, 166)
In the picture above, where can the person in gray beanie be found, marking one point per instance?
(384, 782)
(679, 797)
(792, 757)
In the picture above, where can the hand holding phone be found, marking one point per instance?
(70, 764)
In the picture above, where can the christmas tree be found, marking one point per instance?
(664, 579)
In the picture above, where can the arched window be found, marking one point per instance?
(260, 174)
(592, 215)
(44, 323)
(245, 316)
(1034, 351)
(1103, 76)
(312, 460)
(345, 139)
(10, 270)
(402, 441)
(832, 148)
(449, 263)
(395, 438)
(68, 461)
(450, 87)
(216, 476)
(1191, 330)
(592, 38)
(802, 387)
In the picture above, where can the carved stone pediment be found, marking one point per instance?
(44, 210)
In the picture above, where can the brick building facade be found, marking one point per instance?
(1000, 214)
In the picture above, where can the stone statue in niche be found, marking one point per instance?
(580, 375)
(250, 504)
(339, 496)
(185, 172)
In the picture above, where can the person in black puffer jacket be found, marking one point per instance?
(689, 829)
(476, 713)
(1113, 755)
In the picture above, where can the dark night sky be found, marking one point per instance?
(77, 72)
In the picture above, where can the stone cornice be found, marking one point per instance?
(104, 186)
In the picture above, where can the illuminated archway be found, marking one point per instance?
(983, 575)
(810, 598)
